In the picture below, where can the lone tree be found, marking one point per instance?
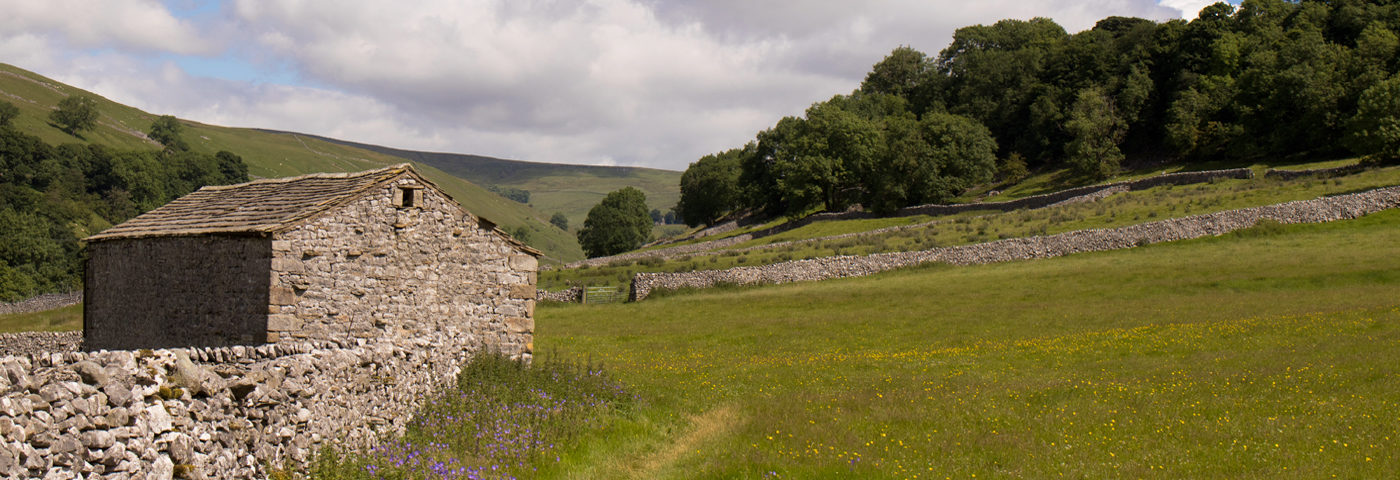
(75, 114)
(617, 224)
(8, 111)
(559, 220)
(166, 130)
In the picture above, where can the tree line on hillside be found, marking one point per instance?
(53, 196)
(1271, 78)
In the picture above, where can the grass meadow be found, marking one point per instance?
(1265, 353)
(56, 320)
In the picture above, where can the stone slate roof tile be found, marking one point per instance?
(262, 207)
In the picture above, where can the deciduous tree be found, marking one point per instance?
(559, 220)
(1375, 129)
(8, 112)
(75, 113)
(1095, 130)
(166, 130)
(617, 224)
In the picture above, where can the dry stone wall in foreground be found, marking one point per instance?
(218, 412)
(1324, 209)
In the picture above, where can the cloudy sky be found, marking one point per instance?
(654, 83)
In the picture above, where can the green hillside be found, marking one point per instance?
(553, 187)
(268, 154)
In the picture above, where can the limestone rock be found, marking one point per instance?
(92, 373)
(158, 419)
(193, 378)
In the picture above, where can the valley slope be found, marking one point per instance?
(268, 154)
(554, 187)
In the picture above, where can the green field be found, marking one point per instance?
(1265, 353)
(267, 154)
(56, 320)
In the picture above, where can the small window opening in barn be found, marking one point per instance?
(408, 196)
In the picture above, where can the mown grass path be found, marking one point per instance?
(1259, 354)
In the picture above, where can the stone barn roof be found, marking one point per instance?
(263, 207)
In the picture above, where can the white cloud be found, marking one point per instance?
(632, 82)
(1190, 9)
(135, 24)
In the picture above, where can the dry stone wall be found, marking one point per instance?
(1305, 211)
(29, 343)
(1041, 201)
(569, 295)
(1316, 172)
(1062, 197)
(217, 412)
(47, 301)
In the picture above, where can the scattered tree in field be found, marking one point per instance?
(75, 113)
(8, 112)
(166, 130)
(516, 194)
(559, 220)
(617, 224)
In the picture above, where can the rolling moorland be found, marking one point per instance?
(553, 187)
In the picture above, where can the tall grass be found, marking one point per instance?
(1268, 353)
(57, 320)
(503, 419)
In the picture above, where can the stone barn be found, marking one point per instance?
(317, 257)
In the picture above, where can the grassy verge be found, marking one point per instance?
(56, 320)
(1266, 353)
(503, 420)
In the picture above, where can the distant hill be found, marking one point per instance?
(553, 187)
(268, 154)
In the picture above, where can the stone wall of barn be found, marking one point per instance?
(169, 291)
(373, 268)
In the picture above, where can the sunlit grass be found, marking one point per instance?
(57, 320)
(1269, 352)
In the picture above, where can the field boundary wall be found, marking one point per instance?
(1318, 210)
